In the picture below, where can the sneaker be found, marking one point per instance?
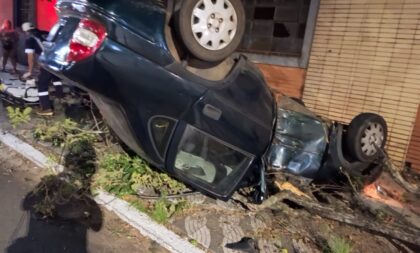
(45, 113)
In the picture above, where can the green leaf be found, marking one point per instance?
(27, 111)
(10, 110)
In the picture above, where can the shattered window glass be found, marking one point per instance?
(275, 27)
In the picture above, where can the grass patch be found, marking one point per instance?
(122, 175)
(61, 133)
(339, 245)
(116, 173)
(163, 209)
(18, 116)
(194, 242)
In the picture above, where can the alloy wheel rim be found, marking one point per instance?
(373, 137)
(214, 23)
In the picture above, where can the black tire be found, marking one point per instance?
(188, 37)
(363, 130)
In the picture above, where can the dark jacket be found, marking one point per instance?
(33, 43)
(9, 39)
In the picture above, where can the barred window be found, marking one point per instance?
(275, 27)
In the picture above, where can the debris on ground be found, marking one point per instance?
(299, 216)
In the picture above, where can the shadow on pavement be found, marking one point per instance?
(60, 207)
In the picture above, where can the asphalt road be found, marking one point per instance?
(21, 230)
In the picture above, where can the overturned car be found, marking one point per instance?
(162, 76)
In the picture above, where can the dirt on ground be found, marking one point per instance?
(21, 177)
(283, 227)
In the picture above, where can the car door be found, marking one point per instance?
(224, 134)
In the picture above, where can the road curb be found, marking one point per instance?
(145, 225)
(138, 220)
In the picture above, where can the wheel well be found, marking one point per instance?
(211, 71)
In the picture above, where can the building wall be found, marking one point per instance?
(413, 156)
(46, 15)
(366, 57)
(6, 10)
(284, 80)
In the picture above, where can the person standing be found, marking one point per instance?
(34, 48)
(9, 39)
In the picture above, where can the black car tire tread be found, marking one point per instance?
(187, 37)
(355, 133)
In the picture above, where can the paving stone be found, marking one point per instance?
(217, 236)
(196, 228)
(301, 247)
(196, 199)
(256, 223)
(232, 232)
(228, 205)
(266, 246)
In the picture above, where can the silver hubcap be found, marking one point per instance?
(214, 23)
(372, 137)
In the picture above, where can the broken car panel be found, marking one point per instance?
(300, 140)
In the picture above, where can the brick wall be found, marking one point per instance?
(284, 80)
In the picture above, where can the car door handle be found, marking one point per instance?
(212, 112)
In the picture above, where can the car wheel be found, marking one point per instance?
(365, 134)
(211, 30)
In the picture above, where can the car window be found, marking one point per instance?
(161, 131)
(205, 159)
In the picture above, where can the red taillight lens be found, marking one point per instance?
(87, 38)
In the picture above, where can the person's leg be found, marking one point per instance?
(58, 86)
(5, 58)
(44, 80)
(13, 59)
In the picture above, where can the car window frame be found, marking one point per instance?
(204, 186)
(153, 141)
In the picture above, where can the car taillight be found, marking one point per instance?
(87, 38)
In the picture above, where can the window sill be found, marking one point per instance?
(287, 61)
